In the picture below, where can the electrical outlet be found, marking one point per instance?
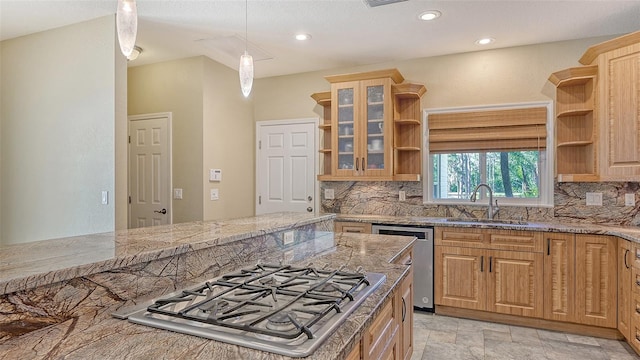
(215, 195)
(630, 199)
(594, 199)
(402, 195)
(329, 194)
(287, 238)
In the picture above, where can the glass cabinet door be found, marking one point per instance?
(375, 127)
(346, 130)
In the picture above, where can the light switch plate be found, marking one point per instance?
(402, 195)
(329, 194)
(177, 194)
(594, 199)
(214, 194)
(287, 238)
(630, 199)
(105, 197)
(215, 175)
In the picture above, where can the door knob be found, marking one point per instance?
(163, 211)
(309, 209)
(309, 198)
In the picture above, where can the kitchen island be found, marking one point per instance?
(66, 312)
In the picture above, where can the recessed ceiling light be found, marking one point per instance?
(430, 15)
(485, 41)
(303, 37)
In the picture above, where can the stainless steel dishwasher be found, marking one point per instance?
(422, 260)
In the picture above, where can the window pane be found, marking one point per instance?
(455, 175)
(514, 174)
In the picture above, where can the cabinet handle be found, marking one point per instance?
(481, 263)
(404, 309)
(626, 251)
(357, 166)
(637, 310)
(637, 337)
(363, 164)
(638, 282)
(548, 246)
(490, 260)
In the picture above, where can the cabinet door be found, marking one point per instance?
(344, 139)
(376, 127)
(406, 326)
(460, 279)
(620, 109)
(624, 287)
(514, 284)
(596, 279)
(559, 277)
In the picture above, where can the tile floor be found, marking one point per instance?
(439, 337)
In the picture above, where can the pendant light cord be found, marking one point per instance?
(246, 25)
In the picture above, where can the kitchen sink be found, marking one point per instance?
(487, 221)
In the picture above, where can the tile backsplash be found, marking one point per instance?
(381, 198)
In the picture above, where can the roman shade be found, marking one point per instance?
(490, 130)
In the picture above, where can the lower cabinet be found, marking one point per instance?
(596, 280)
(624, 288)
(499, 271)
(559, 277)
(508, 282)
(390, 335)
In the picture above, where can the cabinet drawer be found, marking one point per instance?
(352, 227)
(635, 280)
(634, 339)
(516, 240)
(459, 237)
(382, 333)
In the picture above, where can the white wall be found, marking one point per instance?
(58, 131)
(176, 87)
(228, 140)
(517, 74)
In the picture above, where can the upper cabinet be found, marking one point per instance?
(598, 114)
(371, 128)
(618, 63)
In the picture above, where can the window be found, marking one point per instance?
(467, 147)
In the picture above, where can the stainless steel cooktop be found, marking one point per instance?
(282, 309)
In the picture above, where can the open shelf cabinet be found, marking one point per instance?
(576, 126)
(324, 99)
(407, 131)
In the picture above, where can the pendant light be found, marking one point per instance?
(127, 25)
(246, 61)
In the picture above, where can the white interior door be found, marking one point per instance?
(285, 166)
(149, 170)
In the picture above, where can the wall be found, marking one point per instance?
(212, 129)
(176, 87)
(228, 144)
(57, 131)
(509, 75)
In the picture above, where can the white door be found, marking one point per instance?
(285, 166)
(149, 170)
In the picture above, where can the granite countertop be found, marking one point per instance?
(97, 335)
(28, 265)
(631, 233)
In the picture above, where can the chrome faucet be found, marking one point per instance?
(492, 209)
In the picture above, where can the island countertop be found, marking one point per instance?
(96, 335)
(28, 265)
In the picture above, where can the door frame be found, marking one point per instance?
(316, 157)
(151, 116)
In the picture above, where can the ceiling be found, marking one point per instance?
(344, 33)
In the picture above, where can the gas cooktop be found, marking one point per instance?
(282, 309)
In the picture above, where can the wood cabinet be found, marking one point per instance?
(406, 319)
(596, 280)
(624, 287)
(352, 227)
(373, 131)
(477, 274)
(618, 63)
(575, 131)
(559, 277)
(382, 335)
(598, 113)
